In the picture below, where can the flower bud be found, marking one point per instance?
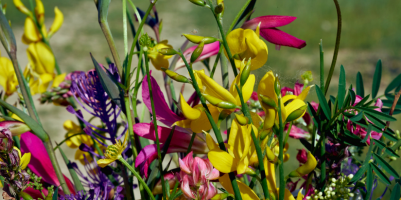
(308, 167)
(277, 86)
(25, 196)
(264, 134)
(198, 39)
(242, 120)
(268, 101)
(197, 52)
(40, 12)
(21, 7)
(16, 128)
(296, 114)
(218, 102)
(219, 9)
(198, 2)
(168, 51)
(250, 171)
(175, 76)
(245, 73)
(57, 22)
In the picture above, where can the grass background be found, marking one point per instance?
(371, 31)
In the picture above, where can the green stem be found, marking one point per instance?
(155, 123)
(140, 180)
(224, 39)
(322, 155)
(238, 16)
(215, 63)
(212, 123)
(125, 29)
(281, 152)
(136, 89)
(191, 142)
(77, 183)
(321, 64)
(245, 110)
(336, 48)
(53, 159)
(130, 126)
(288, 133)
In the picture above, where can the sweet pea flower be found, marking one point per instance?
(209, 50)
(196, 174)
(269, 32)
(245, 44)
(159, 60)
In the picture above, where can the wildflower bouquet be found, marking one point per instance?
(223, 141)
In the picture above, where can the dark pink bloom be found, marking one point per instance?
(209, 50)
(269, 31)
(254, 96)
(40, 163)
(302, 156)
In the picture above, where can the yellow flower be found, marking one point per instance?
(238, 149)
(24, 160)
(159, 60)
(245, 44)
(306, 168)
(113, 152)
(8, 79)
(246, 192)
(294, 108)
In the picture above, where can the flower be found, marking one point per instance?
(245, 44)
(8, 79)
(159, 60)
(268, 30)
(209, 50)
(15, 127)
(246, 191)
(302, 156)
(306, 168)
(196, 174)
(113, 152)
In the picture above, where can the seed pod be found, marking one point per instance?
(197, 52)
(198, 39)
(245, 73)
(296, 114)
(277, 86)
(175, 76)
(198, 2)
(219, 9)
(168, 51)
(218, 102)
(268, 101)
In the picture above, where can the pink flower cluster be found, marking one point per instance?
(196, 174)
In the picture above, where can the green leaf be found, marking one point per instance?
(341, 87)
(109, 85)
(247, 13)
(389, 151)
(396, 192)
(386, 166)
(377, 79)
(389, 103)
(357, 117)
(368, 131)
(380, 174)
(377, 114)
(369, 183)
(395, 83)
(6, 34)
(167, 143)
(55, 194)
(358, 175)
(363, 101)
(387, 110)
(323, 103)
(359, 85)
(36, 128)
(353, 96)
(374, 120)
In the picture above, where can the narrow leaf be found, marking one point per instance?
(369, 183)
(396, 193)
(368, 131)
(395, 83)
(55, 194)
(322, 102)
(377, 79)
(359, 85)
(386, 166)
(358, 175)
(380, 174)
(353, 96)
(341, 87)
(377, 114)
(357, 117)
(363, 100)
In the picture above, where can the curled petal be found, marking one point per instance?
(25, 160)
(268, 21)
(15, 127)
(187, 110)
(214, 89)
(209, 50)
(58, 21)
(223, 161)
(185, 188)
(279, 37)
(186, 163)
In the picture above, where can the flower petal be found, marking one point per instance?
(209, 50)
(268, 21)
(282, 38)
(222, 161)
(246, 192)
(187, 110)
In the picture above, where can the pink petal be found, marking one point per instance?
(211, 192)
(215, 174)
(302, 156)
(196, 172)
(209, 50)
(163, 112)
(285, 90)
(278, 37)
(298, 133)
(254, 96)
(268, 21)
(185, 188)
(379, 104)
(184, 167)
(186, 163)
(40, 163)
(298, 88)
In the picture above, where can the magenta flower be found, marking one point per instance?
(302, 156)
(196, 174)
(268, 30)
(209, 50)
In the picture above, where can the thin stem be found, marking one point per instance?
(212, 123)
(159, 157)
(336, 48)
(136, 89)
(77, 183)
(224, 39)
(238, 16)
(215, 63)
(125, 30)
(130, 125)
(321, 65)
(191, 142)
(281, 151)
(140, 180)
(396, 98)
(104, 25)
(288, 133)
(323, 157)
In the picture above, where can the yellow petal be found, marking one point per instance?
(306, 168)
(256, 119)
(222, 161)
(25, 160)
(271, 177)
(236, 41)
(300, 195)
(288, 97)
(41, 57)
(304, 93)
(214, 89)
(256, 49)
(287, 194)
(45, 80)
(210, 142)
(186, 123)
(104, 162)
(58, 79)
(187, 110)
(58, 21)
(19, 152)
(21, 7)
(202, 123)
(31, 32)
(293, 106)
(246, 90)
(246, 192)
(40, 12)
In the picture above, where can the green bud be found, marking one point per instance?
(277, 86)
(198, 2)
(268, 101)
(175, 76)
(146, 41)
(168, 51)
(25, 196)
(241, 119)
(296, 114)
(264, 134)
(197, 52)
(245, 73)
(218, 102)
(198, 39)
(219, 9)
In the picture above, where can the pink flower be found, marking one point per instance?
(254, 96)
(302, 156)
(268, 30)
(209, 50)
(196, 174)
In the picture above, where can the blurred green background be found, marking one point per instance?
(371, 31)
